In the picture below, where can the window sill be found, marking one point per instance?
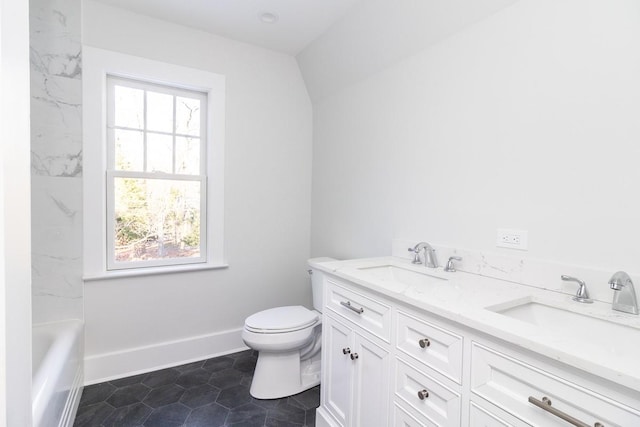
(151, 271)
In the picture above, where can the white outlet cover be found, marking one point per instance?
(512, 239)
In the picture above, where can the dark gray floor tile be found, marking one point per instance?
(164, 395)
(181, 396)
(246, 380)
(257, 421)
(245, 413)
(128, 395)
(189, 366)
(274, 422)
(307, 399)
(310, 418)
(244, 353)
(246, 364)
(173, 415)
(128, 416)
(233, 397)
(266, 403)
(92, 415)
(226, 378)
(218, 363)
(193, 378)
(128, 380)
(160, 378)
(212, 415)
(200, 395)
(285, 412)
(96, 393)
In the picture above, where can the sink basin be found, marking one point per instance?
(398, 278)
(612, 337)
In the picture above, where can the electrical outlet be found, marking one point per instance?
(512, 239)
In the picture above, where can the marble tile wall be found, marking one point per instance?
(56, 159)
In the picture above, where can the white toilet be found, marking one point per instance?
(288, 343)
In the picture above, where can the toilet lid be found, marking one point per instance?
(282, 319)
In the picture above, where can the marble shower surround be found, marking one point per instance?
(56, 159)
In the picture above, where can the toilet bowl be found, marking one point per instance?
(288, 340)
(288, 343)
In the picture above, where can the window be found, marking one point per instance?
(156, 181)
(153, 183)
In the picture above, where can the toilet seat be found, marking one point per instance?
(281, 320)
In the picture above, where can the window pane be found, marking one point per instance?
(156, 219)
(159, 153)
(129, 150)
(188, 155)
(159, 112)
(187, 116)
(129, 107)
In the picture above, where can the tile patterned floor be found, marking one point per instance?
(213, 392)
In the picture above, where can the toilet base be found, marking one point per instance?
(279, 375)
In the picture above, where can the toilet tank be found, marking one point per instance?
(316, 281)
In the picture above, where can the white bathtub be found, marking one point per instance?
(57, 372)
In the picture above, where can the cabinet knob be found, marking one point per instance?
(354, 356)
(346, 350)
(423, 394)
(424, 342)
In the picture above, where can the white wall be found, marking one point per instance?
(527, 120)
(15, 248)
(267, 206)
(375, 34)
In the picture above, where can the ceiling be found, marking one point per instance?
(299, 21)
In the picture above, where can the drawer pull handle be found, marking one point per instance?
(354, 356)
(346, 350)
(352, 308)
(423, 394)
(424, 343)
(545, 404)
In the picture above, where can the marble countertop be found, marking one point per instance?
(472, 300)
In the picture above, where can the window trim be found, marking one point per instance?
(113, 172)
(98, 64)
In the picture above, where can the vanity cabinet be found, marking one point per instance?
(388, 363)
(355, 378)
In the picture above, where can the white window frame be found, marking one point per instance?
(97, 65)
(113, 173)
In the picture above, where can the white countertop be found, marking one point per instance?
(464, 298)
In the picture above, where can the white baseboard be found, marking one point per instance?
(109, 366)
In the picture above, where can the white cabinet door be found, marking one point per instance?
(371, 383)
(337, 369)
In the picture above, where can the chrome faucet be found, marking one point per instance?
(624, 297)
(582, 295)
(430, 259)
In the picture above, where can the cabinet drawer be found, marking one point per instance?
(365, 312)
(438, 404)
(430, 344)
(402, 418)
(480, 417)
(508, 383)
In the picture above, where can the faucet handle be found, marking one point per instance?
(450, 267)
(416, 255)
(582, 295)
